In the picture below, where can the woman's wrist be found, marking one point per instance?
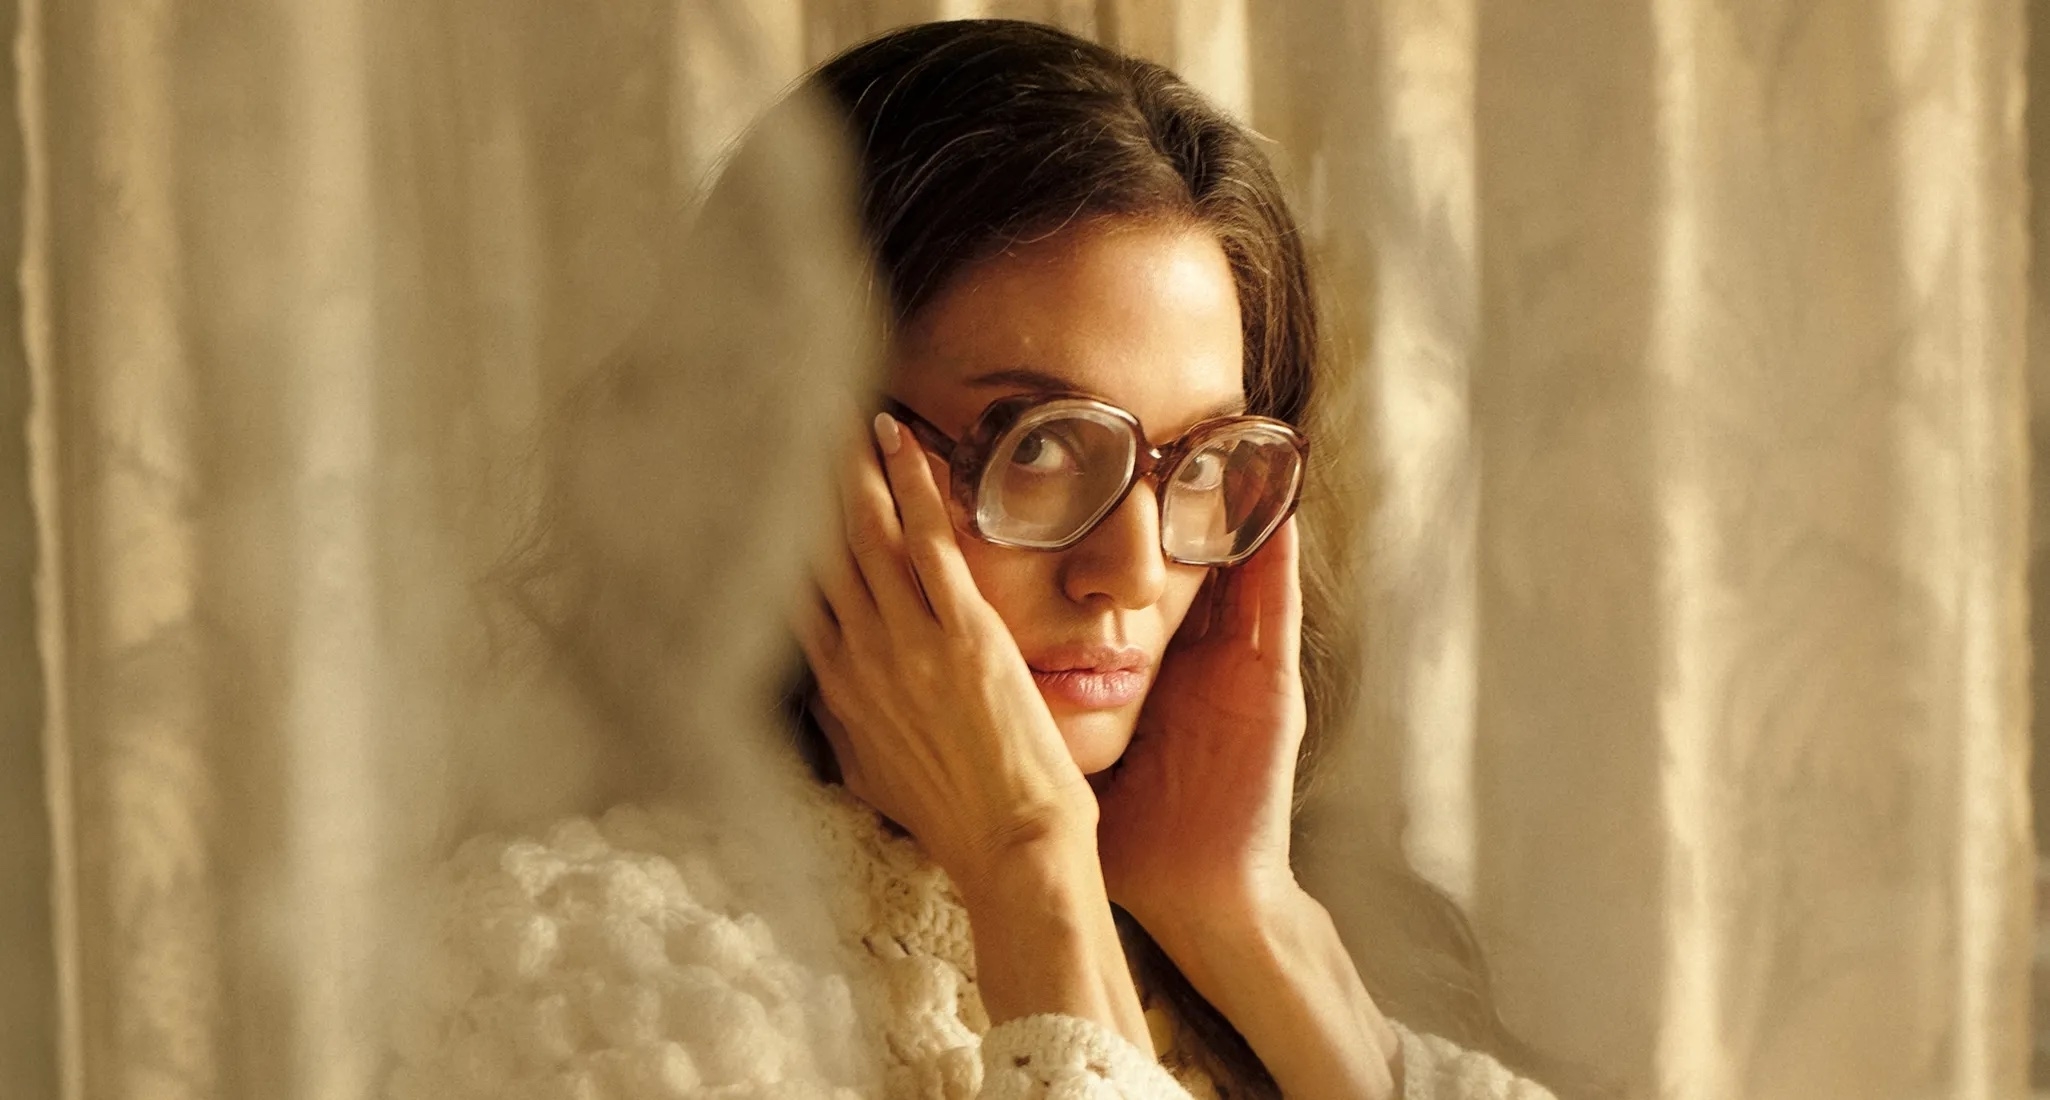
(1271, 961)
(1046, 843)
(1049, 864)
(1045, 941)
(1228, 933)
(1221, 904)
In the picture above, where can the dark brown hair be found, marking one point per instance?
(975, 135)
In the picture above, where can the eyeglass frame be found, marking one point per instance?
(967, 459)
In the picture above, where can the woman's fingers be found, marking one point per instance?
(841, 586)
(1281, 595)
(876, 538)
(1262, 599)
(928, 531)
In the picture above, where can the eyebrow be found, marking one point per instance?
(1039, 381)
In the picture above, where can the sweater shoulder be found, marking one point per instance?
(620, 954)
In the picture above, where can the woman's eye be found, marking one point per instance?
(1042, 453)
(1202, 473)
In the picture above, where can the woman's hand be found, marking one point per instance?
(936, 722)
(1198, 809)
(1195, 829)
(934, 717)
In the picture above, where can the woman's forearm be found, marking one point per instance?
(1280, 974)
(1045, 941)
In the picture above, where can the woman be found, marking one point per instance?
(1057, 659)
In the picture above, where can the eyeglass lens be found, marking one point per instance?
(1054, 473)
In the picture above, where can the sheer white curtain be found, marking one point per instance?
(1689, 334)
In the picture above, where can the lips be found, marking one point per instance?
(1093, 677)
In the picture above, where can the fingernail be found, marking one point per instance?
(887, 433)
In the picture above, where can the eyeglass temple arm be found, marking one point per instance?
(935, 440)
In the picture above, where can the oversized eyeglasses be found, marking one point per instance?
(1040, 471)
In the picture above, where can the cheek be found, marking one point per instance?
(1021, 585)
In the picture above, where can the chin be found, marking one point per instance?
(1096, 738)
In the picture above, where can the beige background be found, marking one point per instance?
(1691, 333)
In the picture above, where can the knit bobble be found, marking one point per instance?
(551, 1031)
(959, 1072)
(774, 980)
(517, 947)
(626, 1014)
(532, 867)
(923, 986)
(692, 998)
(737, 1046)
(655, 1071)
(729, 1032)
(625, 888)
(634, 947)
(673, 894)
(712, 941)
(1080, 1085)
(576, 891)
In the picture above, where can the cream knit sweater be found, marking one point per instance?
(629, 959)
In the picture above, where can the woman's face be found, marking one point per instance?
(1146, 317)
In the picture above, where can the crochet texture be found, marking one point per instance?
(630, 959)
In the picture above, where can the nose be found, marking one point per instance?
(1120, 560)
